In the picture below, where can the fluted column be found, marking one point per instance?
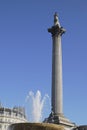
(57, 93)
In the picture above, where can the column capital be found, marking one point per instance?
(56, 30)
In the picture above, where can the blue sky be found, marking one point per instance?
(26, 51)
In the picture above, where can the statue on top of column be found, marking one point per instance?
(56, 20)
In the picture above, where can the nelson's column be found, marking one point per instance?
(57, 116)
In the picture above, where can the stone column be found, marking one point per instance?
(57, 116)
(57, 93)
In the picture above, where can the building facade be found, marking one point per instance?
(10, 116)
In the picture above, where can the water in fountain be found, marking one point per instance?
(36, 105)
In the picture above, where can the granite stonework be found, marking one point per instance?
(35, 126)
(57, 116)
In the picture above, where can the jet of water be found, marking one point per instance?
(37, 104)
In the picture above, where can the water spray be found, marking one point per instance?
(37, 104)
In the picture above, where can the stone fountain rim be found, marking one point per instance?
(50, 125)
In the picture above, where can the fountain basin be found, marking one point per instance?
(35, 126)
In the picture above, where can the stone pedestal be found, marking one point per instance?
(61, 120)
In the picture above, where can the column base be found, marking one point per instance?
(61, 120)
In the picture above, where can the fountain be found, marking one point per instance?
(36, 105)
(35, 126)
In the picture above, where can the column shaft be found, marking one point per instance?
(57, 102)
